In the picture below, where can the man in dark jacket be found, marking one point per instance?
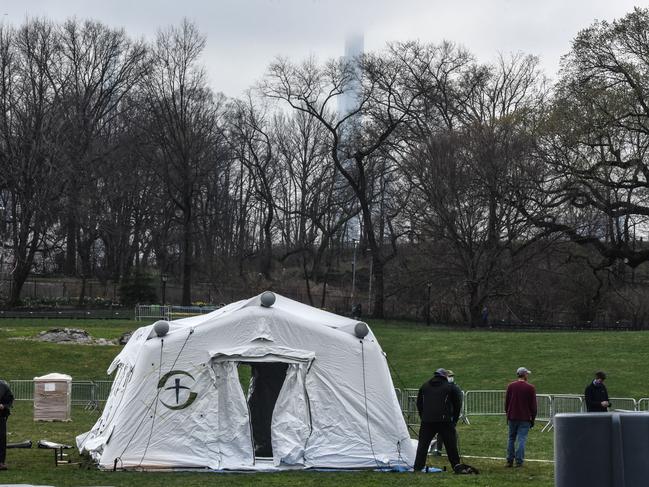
(6, 401)
(597, 395)
(439, 404)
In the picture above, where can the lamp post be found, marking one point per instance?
(354, 271)
(164, 278)
(429, 285)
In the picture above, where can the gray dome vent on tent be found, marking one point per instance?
(267, 299)
(361, 330)
(161, 328)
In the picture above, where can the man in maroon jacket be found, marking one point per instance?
(520, 406)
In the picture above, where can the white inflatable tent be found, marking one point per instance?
(177, 402)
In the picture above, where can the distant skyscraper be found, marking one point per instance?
(353, 49)
(347, 103)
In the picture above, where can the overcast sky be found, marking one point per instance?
(244, 36)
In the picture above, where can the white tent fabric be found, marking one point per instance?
(177, 401)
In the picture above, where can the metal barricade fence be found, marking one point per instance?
(643, 404)
(159, 312)
(409, 406)
(178, 312)
(543, 407)
(567, 403)
(102, 390)
(484, 403)
(91, 394)
(623, 404)
(563, 403)
(23, 390)
(152, 312)
(83, 394)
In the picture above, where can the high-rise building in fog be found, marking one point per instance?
(353, 49)
(347, 103)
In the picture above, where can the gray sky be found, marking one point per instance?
(244, 36)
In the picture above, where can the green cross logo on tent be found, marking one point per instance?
(176, 387)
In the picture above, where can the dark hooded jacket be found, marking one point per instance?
(439, 401)
(6, 398)
(594, 394)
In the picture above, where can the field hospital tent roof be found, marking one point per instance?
(320, 394)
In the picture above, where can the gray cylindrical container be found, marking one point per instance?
(601, 449)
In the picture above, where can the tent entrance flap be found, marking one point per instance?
(279, 412)
(266, 381)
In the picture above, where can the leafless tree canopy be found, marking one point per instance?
(416, 180)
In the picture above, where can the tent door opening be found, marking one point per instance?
(266, 382)
(275, 419)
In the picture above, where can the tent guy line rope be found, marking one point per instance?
(191, 332)
(135, 431)
(155, 409)
(403, 386)
(367, 414)
(401, 383)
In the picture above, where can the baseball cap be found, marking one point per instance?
(441, 373)
(449, 373)
(522, 371)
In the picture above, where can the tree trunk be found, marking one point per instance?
(267, 248)
(71, 243)
(474, 304)
(187, 261)
(18, 279)
(307, 280)
(86, 271)
(379, 287)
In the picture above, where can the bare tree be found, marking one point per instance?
(464, 172)
(591, 184)
(97, 67)
(29, 161)
(181, 128)
(383, 103)
(312, 204)
(253, 145)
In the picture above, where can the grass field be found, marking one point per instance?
(562, 362)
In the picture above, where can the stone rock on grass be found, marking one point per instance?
(126, 336)
(71, 335)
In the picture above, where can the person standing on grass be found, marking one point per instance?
(596, 394)
(439, 442)
(520, 406)
(6, 401)
(439, 404)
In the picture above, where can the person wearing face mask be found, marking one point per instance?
(596, 394)
(439, 404)
(439, 442)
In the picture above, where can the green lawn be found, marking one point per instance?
(561, 363)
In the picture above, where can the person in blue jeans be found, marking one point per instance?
(520, 407)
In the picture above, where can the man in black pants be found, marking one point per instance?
(439, 404)
(6, 401)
